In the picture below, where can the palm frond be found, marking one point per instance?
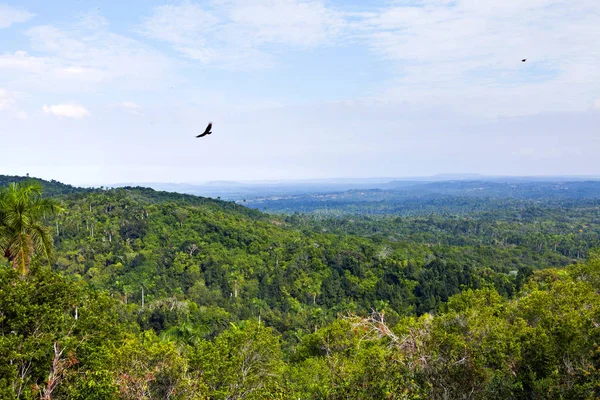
(41, 238)
(21, 233)
(21, 249)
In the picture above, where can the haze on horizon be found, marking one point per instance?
(101, 93)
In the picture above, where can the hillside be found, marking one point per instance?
(241, 261)
(51, 188)
(149, 291)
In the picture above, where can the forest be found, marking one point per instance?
(131, 293)
(407, 198)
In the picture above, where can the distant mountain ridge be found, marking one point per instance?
(239, 190)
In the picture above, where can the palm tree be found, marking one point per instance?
(184, 334)
(21, 232)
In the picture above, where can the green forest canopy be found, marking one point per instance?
(158, 294)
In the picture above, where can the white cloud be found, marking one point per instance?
(472, 50)
(131, 107)
(7, 99)
(97, 55)
(82, 56)
(597, 104)
(67, 110)
(462, 54)
(8, 103)
(20, 60)
(10, 15)
(179, 24)
(188, 28)
(74, 70)
(291, 22)
(235, 34)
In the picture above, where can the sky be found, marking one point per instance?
(104, 91)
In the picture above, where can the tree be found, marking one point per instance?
(150, 369)
(39, 331)
(21, 231)
(244, 362)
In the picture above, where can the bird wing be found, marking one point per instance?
(206, 131)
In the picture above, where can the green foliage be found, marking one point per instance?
(146, 368)
(156, 295)
(244, 362)
(51, 188)
(247, 264)
(21, 233)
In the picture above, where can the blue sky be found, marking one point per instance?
(96, 92)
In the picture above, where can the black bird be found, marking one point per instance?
(207, 131)
(523, 60)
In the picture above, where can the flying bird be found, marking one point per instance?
(523, 60)
(207, 131)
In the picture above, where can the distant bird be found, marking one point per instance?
(207, 131)
(523, 60)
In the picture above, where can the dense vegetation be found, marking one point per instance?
(51, 188)
(423, 199)
(160, 295)
(243, 263)
(559, 233)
